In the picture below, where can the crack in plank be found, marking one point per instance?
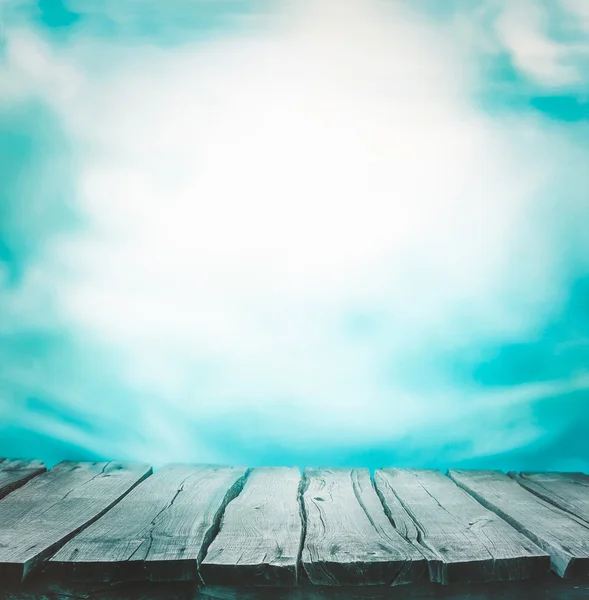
(303, 486)
(213, 530)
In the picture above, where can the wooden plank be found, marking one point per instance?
(463, 541)
(160, 531)
(569, 491)
(52, 507)
(15, 472)
(349, 540)
(563, 536)
(260, 535)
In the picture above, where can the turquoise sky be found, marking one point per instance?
(314, 232)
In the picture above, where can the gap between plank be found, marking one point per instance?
(214, 529)
(516, 477)
(51, 550)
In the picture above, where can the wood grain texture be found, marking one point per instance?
(563, 536)
(462, 541)
(160, 531)
(349, 540)
(569, 491)
(15, 472)
(260, 535)
(52, 507)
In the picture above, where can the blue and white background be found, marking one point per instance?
(344, 232)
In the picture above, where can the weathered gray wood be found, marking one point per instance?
(15, 472)
(260, 535)
(349, 539)
(52, 507)
(160, 531)
(463, 541)
(569, 491)
(562, 535)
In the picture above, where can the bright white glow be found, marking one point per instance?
(247, 196)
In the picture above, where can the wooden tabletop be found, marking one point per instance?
(320, 528)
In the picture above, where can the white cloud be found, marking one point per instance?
(579, 9)
(522, 29)
(246, 194)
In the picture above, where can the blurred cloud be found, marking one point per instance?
(523, 28)
(289, 234)
(578, 10)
